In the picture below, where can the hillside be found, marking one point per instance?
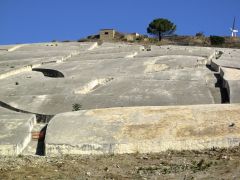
(95, 103)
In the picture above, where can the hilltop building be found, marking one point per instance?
(112, 34)
(107, 34)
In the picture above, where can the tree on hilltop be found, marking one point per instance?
(161, 27)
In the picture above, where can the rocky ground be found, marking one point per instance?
(208, 164)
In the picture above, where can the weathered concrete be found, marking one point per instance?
(228, 65)
(121, 75)
(25, 57)
(15, 131)
(168, 75)
(143, 129)
(231, 81)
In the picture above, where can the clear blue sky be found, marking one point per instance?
(26, 21)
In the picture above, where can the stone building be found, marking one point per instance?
(107, 34)
(131, 37)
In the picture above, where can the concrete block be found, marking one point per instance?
(143, 129)
(15, 132)
(231, 81)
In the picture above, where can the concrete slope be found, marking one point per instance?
(23, 58)
(143, 129)
(109, 75)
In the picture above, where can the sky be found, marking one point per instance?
(29, 21)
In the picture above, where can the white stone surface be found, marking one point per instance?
(143, 129)
(15, 131)
(167, 75)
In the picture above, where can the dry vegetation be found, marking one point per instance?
(198, 40)
(208, 164)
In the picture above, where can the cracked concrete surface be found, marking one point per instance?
(153, 78)
(113, 75)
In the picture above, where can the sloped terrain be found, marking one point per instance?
(131, 100)
(207, 164)
(166, 75)
(46, 79)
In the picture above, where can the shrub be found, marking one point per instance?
(93, 36)
(66, 41)
(217, 40)
(199, 34)
(139, 38)
(76, 107)
(82, 40)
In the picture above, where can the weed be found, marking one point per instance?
(76, 107)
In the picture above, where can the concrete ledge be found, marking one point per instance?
(231, 81)
(216, 64)
(143, 129)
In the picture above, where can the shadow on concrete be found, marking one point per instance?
(210, 68)
(224, 93)
(219, 84)
(41, 118)
(49, 72)
(6, 106)
(41, 142)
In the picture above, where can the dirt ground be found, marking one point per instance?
(207, 164)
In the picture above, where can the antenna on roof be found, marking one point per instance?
(233, 29)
